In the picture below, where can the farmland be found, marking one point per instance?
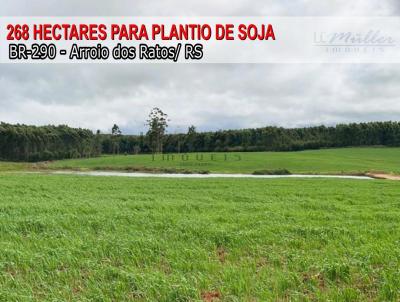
(327, 161)
(11, 166)
(82, 238)
(107, 238)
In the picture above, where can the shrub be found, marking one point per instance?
(272, 172)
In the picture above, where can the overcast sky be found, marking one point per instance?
(211, 97)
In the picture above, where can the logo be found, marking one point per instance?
(353, 42)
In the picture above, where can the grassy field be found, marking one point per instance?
(118, 239)
(10, 166)
(329, 161)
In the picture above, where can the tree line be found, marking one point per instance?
(258, 139)
(33, 143)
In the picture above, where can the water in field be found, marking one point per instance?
(164, 175)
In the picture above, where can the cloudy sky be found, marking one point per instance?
(210, 96)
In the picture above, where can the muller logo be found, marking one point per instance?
(372, 38)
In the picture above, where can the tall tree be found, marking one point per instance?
(115, 130)
(191, 130)
(158, 124)
(190, 138)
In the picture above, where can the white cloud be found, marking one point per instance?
(199, 8)
(209, 96)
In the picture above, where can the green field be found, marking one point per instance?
(10, 166)
(328, 161)
(80, 238)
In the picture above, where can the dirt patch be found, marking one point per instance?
(384, 176)
(317, 278)
(261, 263)
(221, 254)
(211, 296)
(77, 289)
(165, 266)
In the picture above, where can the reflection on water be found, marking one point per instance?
(163, 175)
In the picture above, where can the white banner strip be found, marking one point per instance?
(199, 40)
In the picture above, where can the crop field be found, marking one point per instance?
(10, 166)
(81, 238)
(327, 161)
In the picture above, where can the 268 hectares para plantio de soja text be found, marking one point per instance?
(138, 32)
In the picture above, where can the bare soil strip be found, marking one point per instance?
(384, 176)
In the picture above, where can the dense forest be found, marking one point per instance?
(262, 139)
(32, 143)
